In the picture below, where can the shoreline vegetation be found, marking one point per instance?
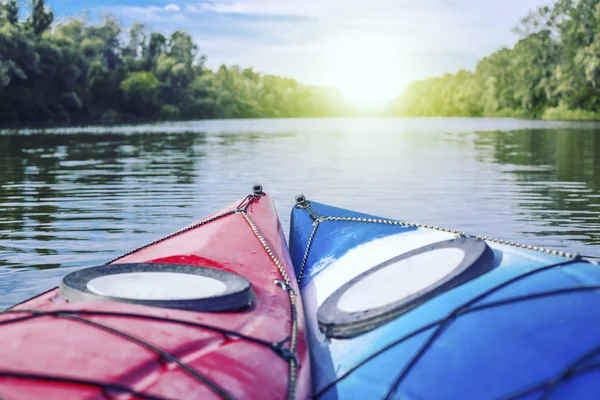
(80, 72)
(553, 72)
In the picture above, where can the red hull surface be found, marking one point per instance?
(53, 349)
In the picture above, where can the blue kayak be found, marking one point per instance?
(397, 310)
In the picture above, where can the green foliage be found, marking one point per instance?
(169, 111)
(9, 12)
(141, 93)
(77, 71)
(552, 72)
(41, 17)
(563, 113)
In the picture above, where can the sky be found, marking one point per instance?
(369, 49)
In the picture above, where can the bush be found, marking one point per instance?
(111, 116)
(510, 113)
(169, 111)
(141, 91)
(563, 113)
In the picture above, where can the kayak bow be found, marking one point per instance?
(207, 312)
(407, 311)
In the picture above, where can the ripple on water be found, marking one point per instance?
(80, 196)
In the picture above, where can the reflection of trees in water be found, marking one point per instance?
(229, 139)
(562, 166)
(114, 154)
(569, 155)
(49, 182)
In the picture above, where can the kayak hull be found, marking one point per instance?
(512, 331)
(170, 353)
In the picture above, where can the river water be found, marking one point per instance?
(72, 198)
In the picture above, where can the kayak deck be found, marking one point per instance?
(54, 349)
(526, 329)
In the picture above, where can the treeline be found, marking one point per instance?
(552, 72)
(79, 71)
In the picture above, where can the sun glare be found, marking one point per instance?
(367, 68)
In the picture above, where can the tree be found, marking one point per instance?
(9, 12)
(182, 48)
(80, 70)
(556, 63)
(156, 47)
(133, 52)
(41, 17)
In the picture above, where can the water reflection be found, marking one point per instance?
(64, 196)
(75, 198)
(560, 172)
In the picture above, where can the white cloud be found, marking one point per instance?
(429, 25)
(149, 14)
(305, 8)
(194, 8)
(172, 7)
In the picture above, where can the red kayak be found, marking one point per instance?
(211, 311)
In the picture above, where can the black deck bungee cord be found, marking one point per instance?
(15, 320)
(453, 315)
(441, 324)
(85, 382)
(459, 311)
(163, 354)
(257, 192)
(571, 370)
(548, 386)
(495, 304)
(287, 354)
(275, 346)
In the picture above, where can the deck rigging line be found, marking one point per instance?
(287, 354)
(466, 309)
(85, 382)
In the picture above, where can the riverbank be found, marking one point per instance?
(107, 73)
(548, 114)
(553, 114)
(551, 72)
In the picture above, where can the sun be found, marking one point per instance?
(366, 68)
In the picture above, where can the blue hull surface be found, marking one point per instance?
(484, 320)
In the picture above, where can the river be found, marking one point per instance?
(76, 197)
